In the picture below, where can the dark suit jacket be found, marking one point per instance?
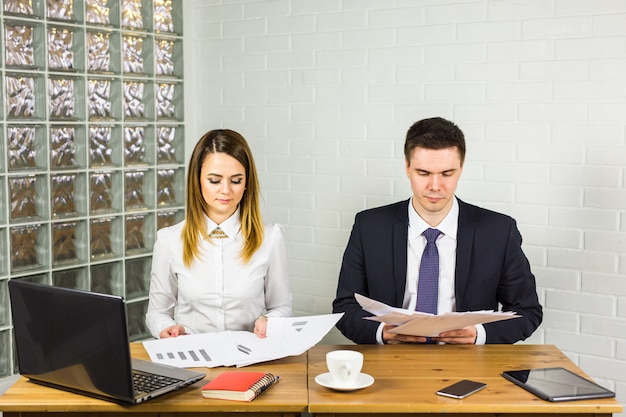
(490, 269)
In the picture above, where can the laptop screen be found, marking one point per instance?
(71, 339)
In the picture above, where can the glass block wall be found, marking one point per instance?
(91, 146)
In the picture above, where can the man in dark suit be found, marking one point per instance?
(481, 265)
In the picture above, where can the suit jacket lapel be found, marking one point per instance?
(464, 248)
(400, 242)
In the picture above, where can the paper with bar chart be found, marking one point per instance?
(286, 336)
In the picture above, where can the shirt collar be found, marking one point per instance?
(230, 226)
(448, 225)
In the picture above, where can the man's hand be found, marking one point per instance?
(465, 336)
(394, 338)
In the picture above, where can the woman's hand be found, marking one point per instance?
(172, 331)
(260, 326)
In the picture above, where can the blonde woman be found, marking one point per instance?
(221, 268)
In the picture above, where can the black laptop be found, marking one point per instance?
(78, 341)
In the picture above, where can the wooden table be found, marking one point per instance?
(287, 398)
(407, 377)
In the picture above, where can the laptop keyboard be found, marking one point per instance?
(146, 382)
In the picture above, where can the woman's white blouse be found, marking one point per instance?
(218, 291)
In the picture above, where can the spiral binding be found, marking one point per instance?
(262, 384)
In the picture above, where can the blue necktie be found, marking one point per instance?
(428, 283)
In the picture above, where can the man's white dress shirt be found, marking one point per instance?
(446, 246)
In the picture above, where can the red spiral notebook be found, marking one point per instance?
(238, 386)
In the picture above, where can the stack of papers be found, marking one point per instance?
(416, 323)
(286, 336)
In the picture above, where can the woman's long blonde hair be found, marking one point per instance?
(233, 144)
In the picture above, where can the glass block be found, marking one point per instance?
(137, 54)
(169, 182)
(168, 54)
(66, 10)
(134, 145)
(138, 277)
(139, 234)
(99, 99)
(3, 196)
(105, 237)
(137, 329)
(64, 248)
(169, 101)
(137, 189)
(4, 303)
(20, 51)
(3, 260)
(67, 192)
(170, 143)
(135, 239)
(137, 100)
(102, 52)
(65, 99)
(24, 45)
(5, 355)
(62, 190)
(28, 198)
(37, 278)
(106, 278)
(163, 18)
(23, 204)
(3, 207)
(104, 192)
(177, 17)
(138, 145)
(168, 218)
(102, 95)
(28, 247)
(3, 143)
(26, 148)
(67, 147)
(69, 242)
(101, 12)
(134, 15)
(24, 7)
(105, 146)
(65, 49)
(21, 93)
(76, 278)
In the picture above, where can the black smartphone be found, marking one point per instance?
(461, 389)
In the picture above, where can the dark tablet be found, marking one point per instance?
(557, 384)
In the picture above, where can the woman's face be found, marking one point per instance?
(223, 181)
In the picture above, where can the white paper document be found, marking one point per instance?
(286, 336)
(416, 323)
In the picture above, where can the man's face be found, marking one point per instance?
(434, 175)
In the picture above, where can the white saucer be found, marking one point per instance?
(362, 381)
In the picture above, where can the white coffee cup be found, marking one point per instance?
(344, 366)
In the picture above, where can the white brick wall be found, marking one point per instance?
(325, 90)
